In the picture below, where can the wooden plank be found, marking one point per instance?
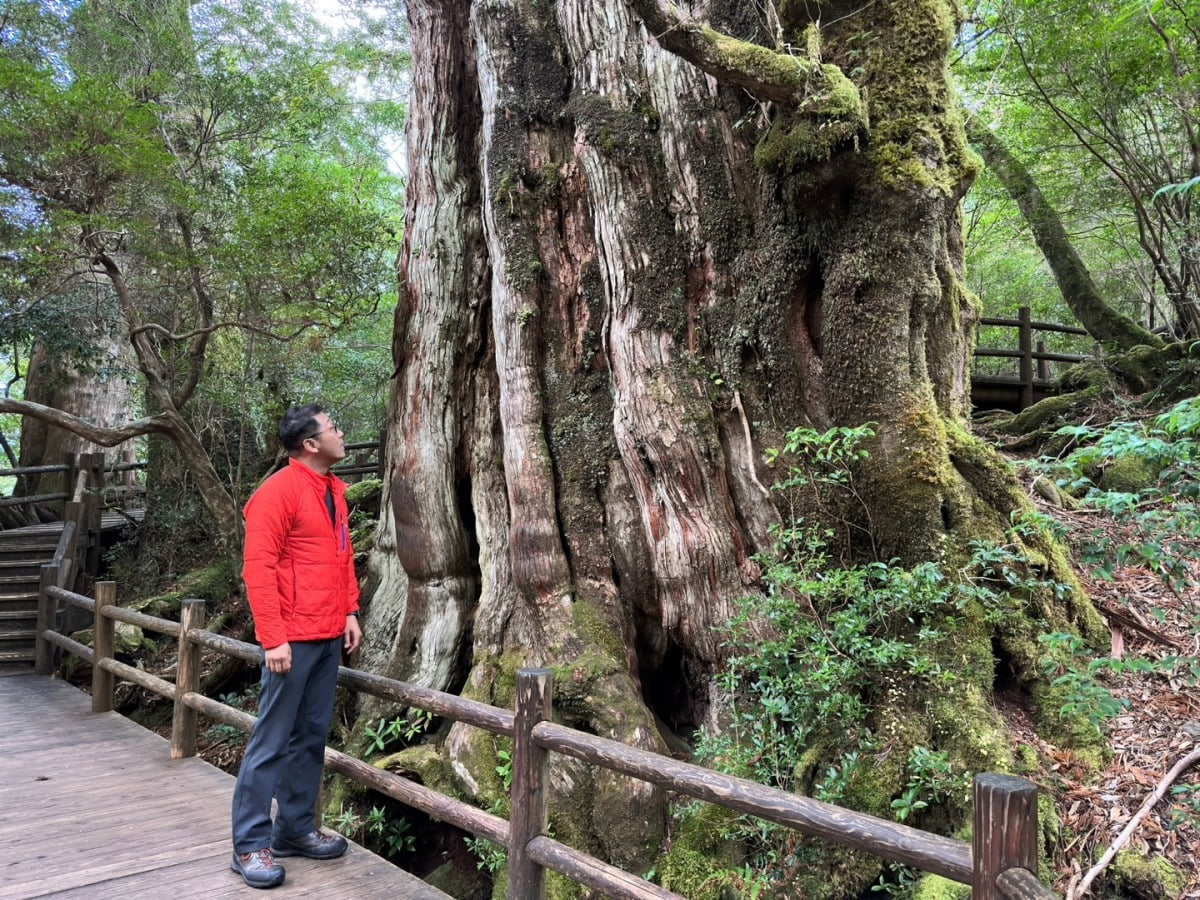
(95, 807)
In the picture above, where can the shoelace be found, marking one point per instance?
(265, 857)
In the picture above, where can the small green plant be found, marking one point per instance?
(1185, 806)
(1074, 672)
(931, 779)
(489, 857)
(392, 835)
(504, 769)
(377, 829)
(387, 732)
(345, 822)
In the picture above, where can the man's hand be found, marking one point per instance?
(279, 659)
(352, 634)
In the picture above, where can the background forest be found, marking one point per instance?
(709, 279)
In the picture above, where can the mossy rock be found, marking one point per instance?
(1146, 878)
(126, 638)
(1128, 474)
(699, 850)
(212, 584)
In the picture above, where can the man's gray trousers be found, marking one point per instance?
(285, 755)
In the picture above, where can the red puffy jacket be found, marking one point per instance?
(298, 566)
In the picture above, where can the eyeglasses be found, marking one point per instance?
(332, 428)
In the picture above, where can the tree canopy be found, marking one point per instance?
(206, 171)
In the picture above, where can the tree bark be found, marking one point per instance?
(102, 398)
(623, 277)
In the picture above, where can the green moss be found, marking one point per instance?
(690, 873)
(213, 584)
(1129, 474)
(935, 887)
(428, 763)
(1146, 877)
(698, 850)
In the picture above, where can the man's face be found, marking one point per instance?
(329, 444)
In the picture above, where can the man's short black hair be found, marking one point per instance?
(297, 425)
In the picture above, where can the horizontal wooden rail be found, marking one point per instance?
(448, 706)
(36, 470)
(1021, 884)
(587, 870)
(33, 498)
(461, 815)
(997, 865)
(890, 840)
(1036, 355)
(1036, 326)
(83, 651)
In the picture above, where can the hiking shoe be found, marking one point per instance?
(258, 868)
(314, 845)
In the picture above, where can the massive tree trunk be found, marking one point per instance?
(624, 276)
(102, 396)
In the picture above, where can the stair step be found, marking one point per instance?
(9, 598)
(19, 579)
(15, 637)
(17, 656)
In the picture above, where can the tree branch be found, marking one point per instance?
(798, 82)
(215, 326)
(105, 437)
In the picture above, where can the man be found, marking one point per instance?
(299, 574)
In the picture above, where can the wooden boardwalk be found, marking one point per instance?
(91, 806)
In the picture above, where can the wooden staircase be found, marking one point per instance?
(22, 553)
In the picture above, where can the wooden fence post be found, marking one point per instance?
(527, 879)
(94, 462)
(1006, 831)
(71, 461)
(1043, 366)
(104, 634)
(47, 614)
(1025, 345)
(187, 678)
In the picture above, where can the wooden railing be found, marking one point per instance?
(999, 863)
(360, 460)
(1031, 355)
(75, 463)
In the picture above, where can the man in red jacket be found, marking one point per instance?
(299, 574)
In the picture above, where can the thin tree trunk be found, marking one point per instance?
(1075, 283)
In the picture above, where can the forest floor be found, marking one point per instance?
(1156, 728)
